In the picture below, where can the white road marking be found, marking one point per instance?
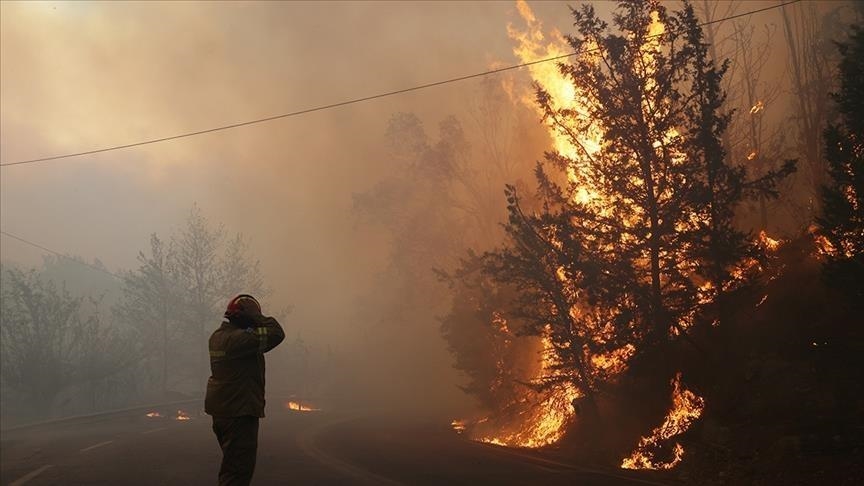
(96, 445)
(154, 430)
(28, 477)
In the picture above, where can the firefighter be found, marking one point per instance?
(235, 390)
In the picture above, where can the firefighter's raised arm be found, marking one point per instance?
(252, 332)
(265, 335)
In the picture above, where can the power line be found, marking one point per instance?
(360, 100)
(36, 245)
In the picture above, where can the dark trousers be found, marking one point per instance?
(238, 438)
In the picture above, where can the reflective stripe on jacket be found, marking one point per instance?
(236, 384)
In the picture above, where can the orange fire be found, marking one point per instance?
(532, 45)
(299, 407)
(541, 419)
(687, 407)
(757, 108)
(769, 243)
(181, 415)
(540, 424)
(153, 414)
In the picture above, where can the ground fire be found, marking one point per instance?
(686, 408)
(297, 406)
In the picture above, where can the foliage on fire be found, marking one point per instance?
(843, 198)
(629, 248)
(663, 294)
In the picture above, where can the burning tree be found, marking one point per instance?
(842, 223)
(632, 242)
(636, 232)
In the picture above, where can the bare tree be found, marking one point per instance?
(52, 340)
(149, 305)
(812, 65)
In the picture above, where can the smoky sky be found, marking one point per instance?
(77, 76)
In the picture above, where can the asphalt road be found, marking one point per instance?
(319, 448)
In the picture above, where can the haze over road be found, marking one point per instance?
(297, 448)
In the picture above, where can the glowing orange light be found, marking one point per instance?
(758, 107)
(687, 407)
(299, 407)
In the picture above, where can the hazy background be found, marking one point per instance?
(77, 76)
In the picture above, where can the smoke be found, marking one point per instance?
(78, 76)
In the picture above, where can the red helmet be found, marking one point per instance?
(243, 303)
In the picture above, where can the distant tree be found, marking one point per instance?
(240, 271)
(208, 271)
(52, 340)
(812, 59)
(149, 305)
(635, 240)
(842, 222)
(747, 141)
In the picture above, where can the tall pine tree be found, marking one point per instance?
(842, 222)
(634, 242)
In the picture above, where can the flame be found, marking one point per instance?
(153, 414)
(687, 407)
(542, 419)
(769, 243)
(458, 426)
(537, 424)
(532, 45)
(752, 155)
(181, 415)
(299, 407)
(758, 107)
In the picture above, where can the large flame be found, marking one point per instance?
(532, 45)
(541, 419)
(686, 408)
(539, 424)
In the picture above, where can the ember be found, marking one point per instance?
(758, 107)
(153, 414)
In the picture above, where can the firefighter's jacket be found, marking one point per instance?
(236, 384)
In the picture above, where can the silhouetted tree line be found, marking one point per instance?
(78, 339)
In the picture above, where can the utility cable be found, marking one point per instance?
(360, 100)
(36, 245)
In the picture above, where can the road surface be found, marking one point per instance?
(316, 448)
